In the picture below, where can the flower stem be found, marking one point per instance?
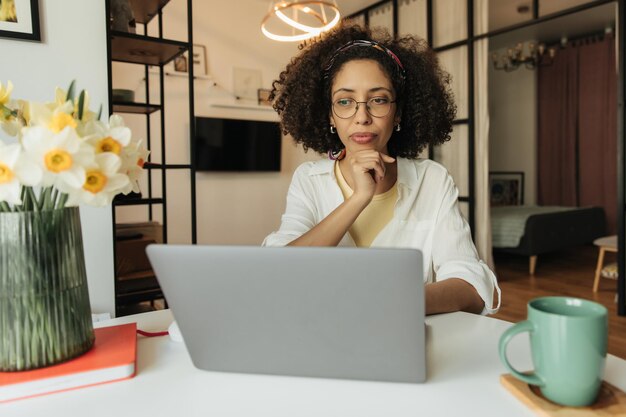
(44, 199)
(23, 198)
(55, 195)
(33, 198)
(62, 201)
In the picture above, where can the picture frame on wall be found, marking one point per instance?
(180, 64)
(263, 97)
(246, 83)
(506, 188)
(19, 19)
(200, 61)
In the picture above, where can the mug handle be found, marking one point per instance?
(523, 326)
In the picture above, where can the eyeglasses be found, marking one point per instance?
(345, 108)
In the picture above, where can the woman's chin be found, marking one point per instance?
(364, 145)
(368, 146)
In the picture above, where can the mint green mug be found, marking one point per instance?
(568, 340)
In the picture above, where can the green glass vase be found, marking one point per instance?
(45, 316)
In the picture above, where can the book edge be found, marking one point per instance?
(69, 383)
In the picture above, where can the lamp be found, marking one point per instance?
(308, 19)
(537, 56)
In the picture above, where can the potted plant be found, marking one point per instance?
(57, 155)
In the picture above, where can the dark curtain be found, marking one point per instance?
(556, 134)
(597, 124)
(577, 128)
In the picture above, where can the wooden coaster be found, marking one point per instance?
(611, 400)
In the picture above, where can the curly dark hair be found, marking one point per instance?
(302, 93)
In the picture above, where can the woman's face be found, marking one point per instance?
(362, 81)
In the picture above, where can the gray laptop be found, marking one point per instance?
(314, 312)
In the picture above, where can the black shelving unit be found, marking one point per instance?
(136, 108)
(143, 49)
(150, 51)
(145, 10)
(139, 201)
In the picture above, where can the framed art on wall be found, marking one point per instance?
(506, 188)
(180, 64)
(246, 83)
(200, 64)
(19, 19)
(263, 97)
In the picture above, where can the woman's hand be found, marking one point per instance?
(363, 170)
(367, 169)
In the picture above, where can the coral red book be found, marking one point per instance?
(112, 358)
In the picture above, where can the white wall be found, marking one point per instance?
(233, 208)
(513, 125)
(73, 47)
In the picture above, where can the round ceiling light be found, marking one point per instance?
(293, 21)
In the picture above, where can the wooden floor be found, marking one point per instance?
(564, 273)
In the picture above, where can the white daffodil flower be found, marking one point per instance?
(15, 171)
(52, 116)
(112, 138)
(102, 182)
(10, 124)
(5, 93)
(60, 99)
(133, 158)
(62, 145)
(62, 156)
(10, 186)
(13, 117)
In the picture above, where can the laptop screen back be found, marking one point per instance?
(314, 312)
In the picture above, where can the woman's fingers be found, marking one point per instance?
(364, 164)
(371, 154)
(373, 162)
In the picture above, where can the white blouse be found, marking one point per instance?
(426, 217)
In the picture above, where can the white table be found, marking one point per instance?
(463, 380)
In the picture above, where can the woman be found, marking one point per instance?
(374, 103)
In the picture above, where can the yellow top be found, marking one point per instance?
(374, 217)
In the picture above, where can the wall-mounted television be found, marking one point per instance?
(237, 145)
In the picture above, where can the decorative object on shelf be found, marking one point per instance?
(180, 64)
(246, 83)
(121, 94)
(534, 56)
(122, 17)
(263, 95)
(308, 19)
(20, 19)
(63, 155)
